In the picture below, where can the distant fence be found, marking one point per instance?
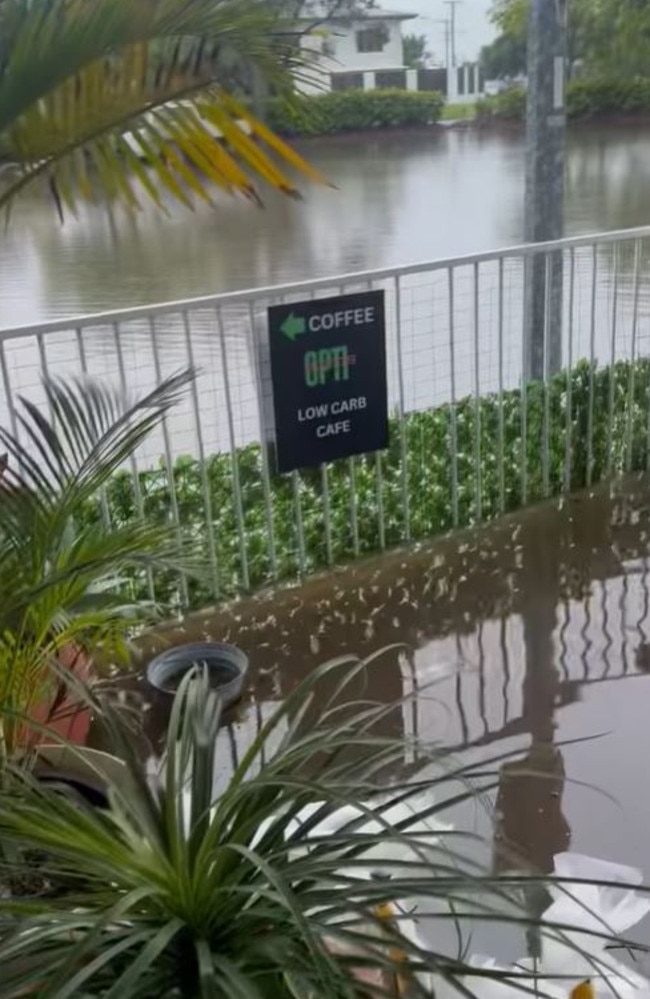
(470, 437)
(458, 83)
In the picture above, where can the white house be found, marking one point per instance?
(357, 50)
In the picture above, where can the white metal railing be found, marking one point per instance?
(470, 438)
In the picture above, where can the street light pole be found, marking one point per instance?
(452, 4)
(445, 23)
(544, 209)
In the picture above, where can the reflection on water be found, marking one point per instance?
(524, 637)
(400, 198)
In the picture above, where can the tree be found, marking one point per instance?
(123, 98)
(608, 36)
(510, 17)
(504, 58)
(416, 55)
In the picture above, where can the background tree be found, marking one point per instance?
(609, 37)
(416, 55)
(510, 17)
(504, 58)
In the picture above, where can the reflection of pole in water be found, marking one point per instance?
(464, 727)
(530, 826)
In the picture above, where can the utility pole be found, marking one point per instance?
(544, 207)
(445, 22)
(452, 4)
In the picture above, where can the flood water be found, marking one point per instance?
(400, 198)
(530, 636)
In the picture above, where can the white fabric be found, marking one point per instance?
(571, 956)
(387, 849)
(610, 911)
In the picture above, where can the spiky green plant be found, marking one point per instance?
(272, 888)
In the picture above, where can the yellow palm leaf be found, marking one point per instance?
(141, 121)
(272, 140)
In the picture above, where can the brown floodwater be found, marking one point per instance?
(400, 197)
(530, 636)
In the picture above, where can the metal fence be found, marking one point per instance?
(470, 438)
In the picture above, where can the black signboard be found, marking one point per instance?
(328, 367)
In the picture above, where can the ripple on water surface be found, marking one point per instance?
(531, 636)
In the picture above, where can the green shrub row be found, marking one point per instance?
(585, 98)
(352, 111)
(508, 106)
(529, 430)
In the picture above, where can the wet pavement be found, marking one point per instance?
(530, 636)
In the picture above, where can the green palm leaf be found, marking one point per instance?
(63, 583)
(124, 100)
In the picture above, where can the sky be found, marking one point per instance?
(472, 26)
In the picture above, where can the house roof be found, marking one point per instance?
(386, 15)
(372, 14)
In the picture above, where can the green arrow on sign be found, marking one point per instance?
(293, 326)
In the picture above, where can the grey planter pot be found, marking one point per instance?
(226, 665)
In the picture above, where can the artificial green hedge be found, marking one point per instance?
(541, 413)
(585, 98)
(352, 111)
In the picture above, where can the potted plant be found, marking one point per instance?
(297, 880)
(62, 581)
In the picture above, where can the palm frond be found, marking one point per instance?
(63, 583)
(130, 101)
(45, 46)
(61, 462)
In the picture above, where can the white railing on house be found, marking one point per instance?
(462, 84)
(471, 436)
